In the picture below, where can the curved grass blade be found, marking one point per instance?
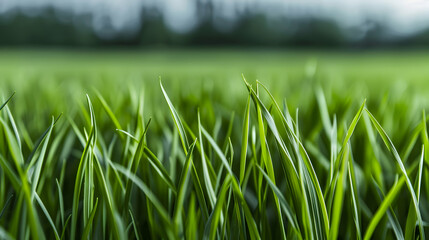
(78, 183)
(384, 206)
(40, 161)
(355, 199)
(183, 182)
(251, 224)
(136, 231)
(63, 233)
(39, 141)
(395, 154)
(244, 141)
(134, 165)
(60, 199)
(4, 104)
(212, 225)
(87, 229)
(410, 225)
(45, 211)
(391, 216)
(339, 195)
(115, 221)
(176, 118)
(108, 110)
(207, 180)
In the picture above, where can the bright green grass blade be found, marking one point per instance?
(251, 224)
(395, 154)
(63, 233)
(375, 163)
(339, 195)
(78, 183)
(425, 140)
(12, 144)
(128, 134)
(212, 226)
(207, 180)
(183, 183)
(218, 151)
(45, 211)
(41, 139)
(134, 166)
(196, 180)
(267, 162)
(108, 110)
(323, 109)
(87, 229)
(88, 186)
(61, 202)
(244, 140)
(410, 225)
(113, 217)
(228, 132)
(333, 155)
(354, 198)
(191, 220)
(177, 121)
(353, 124)
(391, 216)
(15, 131)
(40, 161)
(384, 206)
(417, 131)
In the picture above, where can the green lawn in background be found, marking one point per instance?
(311, 145)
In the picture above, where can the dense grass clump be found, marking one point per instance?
(197, 159)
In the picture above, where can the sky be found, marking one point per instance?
(401, 17)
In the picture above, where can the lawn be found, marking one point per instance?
(306, 144)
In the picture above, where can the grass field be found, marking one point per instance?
(306, 145)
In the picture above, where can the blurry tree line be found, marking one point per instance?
(253, 29)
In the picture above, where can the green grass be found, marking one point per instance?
(304, 145)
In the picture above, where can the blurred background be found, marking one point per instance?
(188, 23)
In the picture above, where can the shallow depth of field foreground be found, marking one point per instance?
(334, 147)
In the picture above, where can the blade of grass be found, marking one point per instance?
(87, 229)
(45, 211)
(176, 118)
(61, 201)
(384, 206)
(395, 154)
(244, 140)
(391, 216)
(410, 225)
(183, 182)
